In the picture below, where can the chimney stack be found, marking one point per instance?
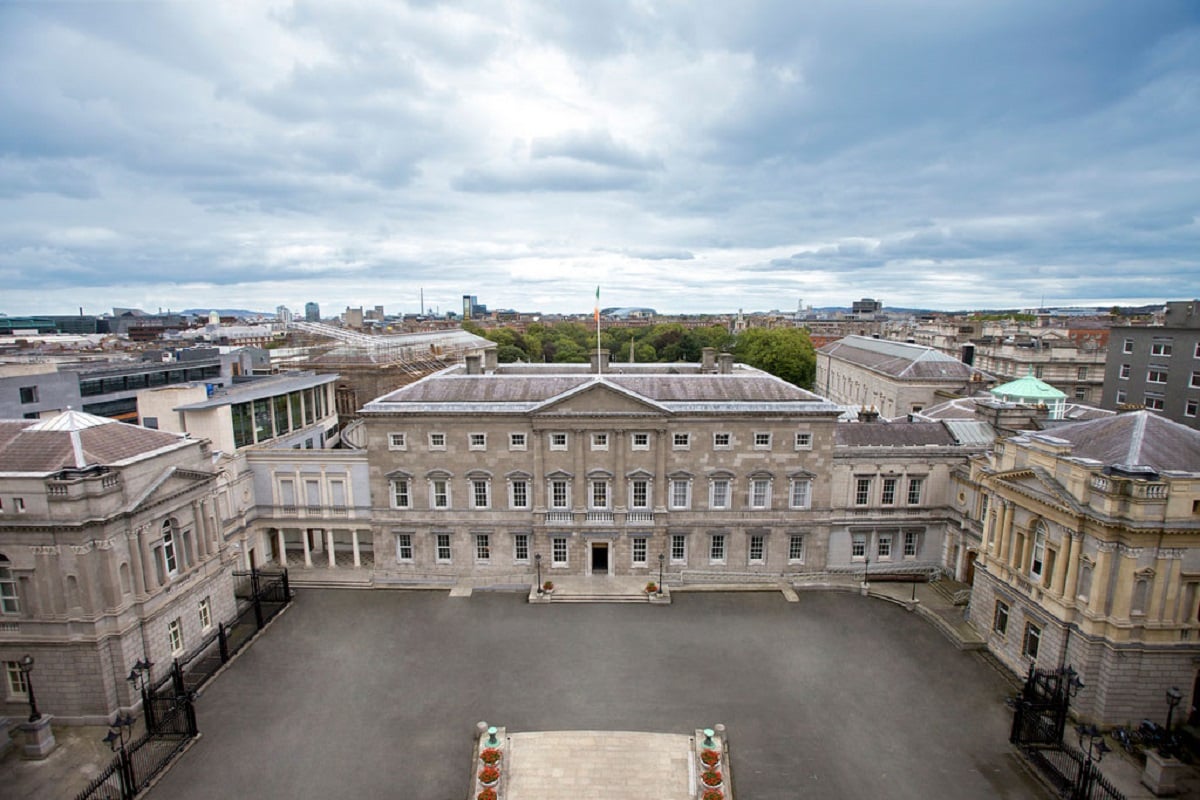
(708, 360)
(726, 363)
(473, 362)
(599, 360)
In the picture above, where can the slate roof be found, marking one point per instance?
(893, 434)
(1135, 438)
(73, 440)
(899, 359)
(522, 389)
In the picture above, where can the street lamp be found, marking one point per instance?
(26, 667)
(537, 559)
(661, 559)
(139, 676)
(119, 732)
(1173, 698)
(1095, 749)
(866, 567)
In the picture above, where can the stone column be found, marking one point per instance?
(1100, 577)
(1004, 545)
(149, 565)
(1154, 604)
(354, 544)
(1122, 595)
(1174, 583)
(304, 534)
(134, 544)
(579, 487)
(281, 545)
(620, 484)
(1071, 587)
(198, 530)
(329, 546)
(537, 488)
(1059, 579)
(660, 469)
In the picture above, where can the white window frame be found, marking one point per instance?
(1032, 635)
(643, 444)
(559, 440)
(762, 440)
(513, 501)
(1001, 614)
(916, 484)
(1195, 381)
(1125, 371)
(1037, 561)
(521, 548)
(760, 500)
(858, 546)
(400, 492)
(397, 440)
(722, 440)
(404, 544)
(477, 441)
(883, 546)
(517, 441)
(912, 543)
(435, 495)
(599, 490)
(18, 683)
(476, 485)
(887, 492)
(437, 440)
(205, 612)
(681, 441)
(862, 492)
(1160, 348)
(800, 493)
(636, 503)
(1156, 375)
(757, 549)
(1121, 396)
(678, 548)
(599, 441)
(1154, 401)
(10, 600)
(560, 552)
(565, 505)
(169, 549)
(724, 502)
(175, 636)
(1191, 407)
(803, 440)
(639, 551)
(718, 548)
(1127, 346)
(796, 548)
(680, 494)
(483, 548)
(443, 548)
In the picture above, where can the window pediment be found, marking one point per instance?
(479, 474)
(680, 475)
(559, 475)
(518, 475)
(640, 474)
(439, 474)
(599, 474)
(720, 474)
(398, 474)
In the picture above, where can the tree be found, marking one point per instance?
(786, 353)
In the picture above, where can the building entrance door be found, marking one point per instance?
(969, 578)
(599, 558)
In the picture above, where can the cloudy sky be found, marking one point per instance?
(687, 155)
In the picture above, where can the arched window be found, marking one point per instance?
(1039, 549)
(169, 554)
(9, 601)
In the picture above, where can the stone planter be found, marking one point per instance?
(1162, 773)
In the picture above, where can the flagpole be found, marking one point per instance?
(598, 361)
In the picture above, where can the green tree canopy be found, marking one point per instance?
(784, 352)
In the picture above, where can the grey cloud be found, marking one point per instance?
(546, 177)
(597, 147)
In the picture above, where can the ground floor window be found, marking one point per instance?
(758, 549)
(558, 551)
(678, 548)
(1000, 618)
(796, 549)
(639, 551)
(884, 546)
(716, 548)
(521, 547)
(483, 547)
(443, 548)
(404, 547)
(1033, 638)
(910, 544)
(858, 546)
(18, 686)
(205, 614)
(175, 635)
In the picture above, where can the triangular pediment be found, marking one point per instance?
(1039, 484)
(600, 399)
(166, 486)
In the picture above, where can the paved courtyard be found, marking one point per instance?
(375, 694)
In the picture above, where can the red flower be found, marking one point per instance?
(490, 794)
(711, 778)
(710, 794)
(709, 757)
(490, 756)
(489, 774)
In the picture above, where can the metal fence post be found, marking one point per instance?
(222, 642)
(177, 678)
(287, 592)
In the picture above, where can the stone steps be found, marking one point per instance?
(599, 598)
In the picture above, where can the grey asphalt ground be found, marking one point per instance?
(375, 694)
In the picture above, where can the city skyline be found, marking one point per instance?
(694, 159)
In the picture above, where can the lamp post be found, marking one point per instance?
(1173, 698)
(537, 559)
(120, 732)
(1095, 750)
(26, 667)
(139, 676)
(661, 559)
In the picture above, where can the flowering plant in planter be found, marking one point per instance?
(548, 586)
(489, 774)
(709, 794)
(651, 587)
(711, 777)
(491, 756)
(710, 757)
(490, 794)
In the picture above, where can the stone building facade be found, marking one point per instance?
(1091, 558)
(110, 552)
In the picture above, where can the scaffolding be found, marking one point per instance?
(413, 353)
